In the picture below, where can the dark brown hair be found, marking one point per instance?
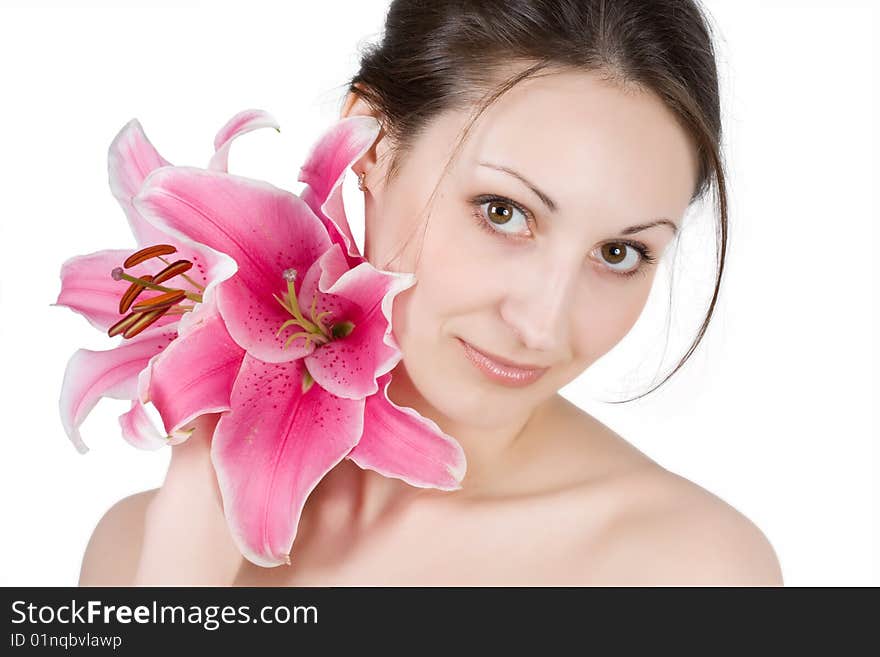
(440, 55)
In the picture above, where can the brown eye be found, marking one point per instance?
(499, 213)
(614, 253)
(503, 216)
(622, 257)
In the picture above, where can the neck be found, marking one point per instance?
(488, 447)
(351, 497)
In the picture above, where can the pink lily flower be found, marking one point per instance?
(310, 320)
(150, 325)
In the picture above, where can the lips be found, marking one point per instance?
(501, 370)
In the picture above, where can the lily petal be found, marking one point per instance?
(325, 167)
(131, 158)
(399, 442)
(139, 430)
(239, 124)
(347, 367)
(271, 451)
(194, 375)
(264, 229)
(91, 375)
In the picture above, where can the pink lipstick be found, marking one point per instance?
(501, 370)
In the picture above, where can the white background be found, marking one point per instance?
(774, 413)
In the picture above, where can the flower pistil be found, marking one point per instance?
(315, 330)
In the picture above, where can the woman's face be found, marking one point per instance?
(529, 251)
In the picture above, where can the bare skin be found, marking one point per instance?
(551, 495)
(589, 510)
(593, 510)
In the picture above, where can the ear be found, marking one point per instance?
(355, 105)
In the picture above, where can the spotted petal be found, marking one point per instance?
(264, 229)
(272, 449)
(348, 366)
(195, 374)
(399, 442)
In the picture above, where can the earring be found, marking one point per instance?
(361, 185)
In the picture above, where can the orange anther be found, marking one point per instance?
(150, 252)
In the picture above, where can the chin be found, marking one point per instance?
(456, 391)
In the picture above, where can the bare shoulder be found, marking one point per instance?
(112, 553)
(658, 528)
(673, 532)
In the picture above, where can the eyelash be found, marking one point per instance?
(646, 256)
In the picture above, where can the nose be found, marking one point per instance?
(539, 312)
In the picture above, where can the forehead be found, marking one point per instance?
(581, 139)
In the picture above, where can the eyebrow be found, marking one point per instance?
(551, 204)
(657, 222)
(546, 200)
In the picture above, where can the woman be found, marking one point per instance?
(535, 162)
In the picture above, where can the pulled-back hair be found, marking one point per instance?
(441, 55)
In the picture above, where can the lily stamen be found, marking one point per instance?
(180, 310)
(146, 312)
(131, 294)
(318, 319)
(134, 323)
(123, 324)
(200, 288)
(312, 331)
(149, 252)
(308, 336)
(144, 320)
(161, 301)
(174, 269)
(119, 275)
(315, 331)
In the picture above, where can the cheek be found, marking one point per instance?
(455, 276)
(609, 313)
(394, 226)
(384, 243)
(458, 267)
